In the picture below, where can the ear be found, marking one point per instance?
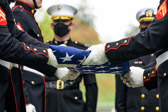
(71, 27)
(52, 26)
(140, 27)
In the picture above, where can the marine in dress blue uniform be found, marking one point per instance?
(153, 40)
(17, 47)
(33, 80)
(138, 99)
(67, 96)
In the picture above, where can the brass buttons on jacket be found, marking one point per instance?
(142, 108)
(32, 11)
(148, 74)
(144, 77)
(76, 42)
(117, 44)
(32, 82)
(157, 108)
(157, 96)
(108, 46)
(142, 95)
(125, 41)
(28, 47)
(38, 35)
(75, 97)
(65, 42)
(44, 51)
(35, 49)
(164, 74)
(55, 42)
(153, 72)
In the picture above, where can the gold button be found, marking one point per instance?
(148, 74)
(76, 42)
(157, 96)
(14, 20)
(108, 46)
(44, 51)
(32, 11)
(28, 47)
(164, 74)
(125, 41)
(38, 35)
(65, 42)
(144, 77)
(20, 6)
(35, 49)
(153, 72)
(142, 108)
(33, 82)
(142, 95)
(117, 44)
(55, 42)
(75, 97)
(157, 108)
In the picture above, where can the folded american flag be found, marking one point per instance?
(73, 58)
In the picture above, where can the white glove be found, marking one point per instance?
(134, 78)
(66, 74)
(97, 55)
(52, 59)
(30, 108)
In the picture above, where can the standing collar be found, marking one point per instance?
(26, 7)
(66, 42)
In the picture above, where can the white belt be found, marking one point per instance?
(5, 63)
(162, 58)
(32, 70)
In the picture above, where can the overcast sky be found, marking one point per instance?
(112, 17)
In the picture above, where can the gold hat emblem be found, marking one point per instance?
(149, 13)
(59, 7)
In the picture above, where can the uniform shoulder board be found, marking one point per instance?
(17, 8)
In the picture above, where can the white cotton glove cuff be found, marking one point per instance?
(52, 59)
(66, 74)
(30, 108)
(136, 77)
(97, 55)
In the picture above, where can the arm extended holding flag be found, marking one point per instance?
(74, 58)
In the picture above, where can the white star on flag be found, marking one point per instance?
(67, 57)
(82, 59)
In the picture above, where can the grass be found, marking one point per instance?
(106, 90)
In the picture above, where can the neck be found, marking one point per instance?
(27, 3)
(66, 37)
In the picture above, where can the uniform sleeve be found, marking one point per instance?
(91, 92)
(24, 37)
(18, 52)
(120, 98)
(150, 78)
(148, 42)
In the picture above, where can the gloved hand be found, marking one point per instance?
(66, 74)
(134, 78)
(30, 108)
(52, 59)
(97, 55)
